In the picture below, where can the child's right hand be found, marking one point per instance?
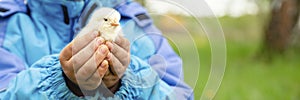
(83, 60)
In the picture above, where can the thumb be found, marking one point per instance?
(102, 69)
(66, 53)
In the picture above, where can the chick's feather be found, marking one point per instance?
(106, 22)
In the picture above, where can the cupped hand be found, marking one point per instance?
(84, 60)
(119, 59)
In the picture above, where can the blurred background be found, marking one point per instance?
(262, 46)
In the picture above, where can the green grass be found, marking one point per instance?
(248, 76)
(251, 78)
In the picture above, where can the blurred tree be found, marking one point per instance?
(283, 19)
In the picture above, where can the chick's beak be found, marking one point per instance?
(114, 24)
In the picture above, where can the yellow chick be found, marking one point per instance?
(106, 21)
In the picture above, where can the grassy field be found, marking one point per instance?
(250, 78)
(247, 76)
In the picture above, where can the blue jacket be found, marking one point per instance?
(33, 34)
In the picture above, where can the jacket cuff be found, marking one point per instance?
(138, 80)
(72, 86)
(52, 81)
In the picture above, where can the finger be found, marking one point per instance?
(121, 54)
(85, 54)
(108, 58)
(115, 65)
(81, 41)
(107, 72)
(110, 77)
(103, 68)
(64, 56)
(66, 53)
(96, 79)
(90, 67)
(110, 80)
(123, 42)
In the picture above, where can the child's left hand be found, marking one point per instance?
(119, 59)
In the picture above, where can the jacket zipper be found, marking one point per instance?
(66, 14)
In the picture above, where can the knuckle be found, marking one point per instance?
(122, 40)
(65, 64)
(93, 45)
(101, 74)
(126, 41)
(74, 62)
(127, 45)
(61, 56)
(79, 78)
(127, 61)
(97, 57)
(113, 49)
(83, 72)
(74, 47)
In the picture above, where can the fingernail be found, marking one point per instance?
(109, 45)
(103, 64)
(95, 33)
(100, 41)
(103, 49)
(109, 56)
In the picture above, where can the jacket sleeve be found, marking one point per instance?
(10, 63)
(163, 60)
(44, 80)
(141, 82)
(10, 66)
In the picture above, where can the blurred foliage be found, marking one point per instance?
(247, 77)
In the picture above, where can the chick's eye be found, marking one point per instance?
(105, 19)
